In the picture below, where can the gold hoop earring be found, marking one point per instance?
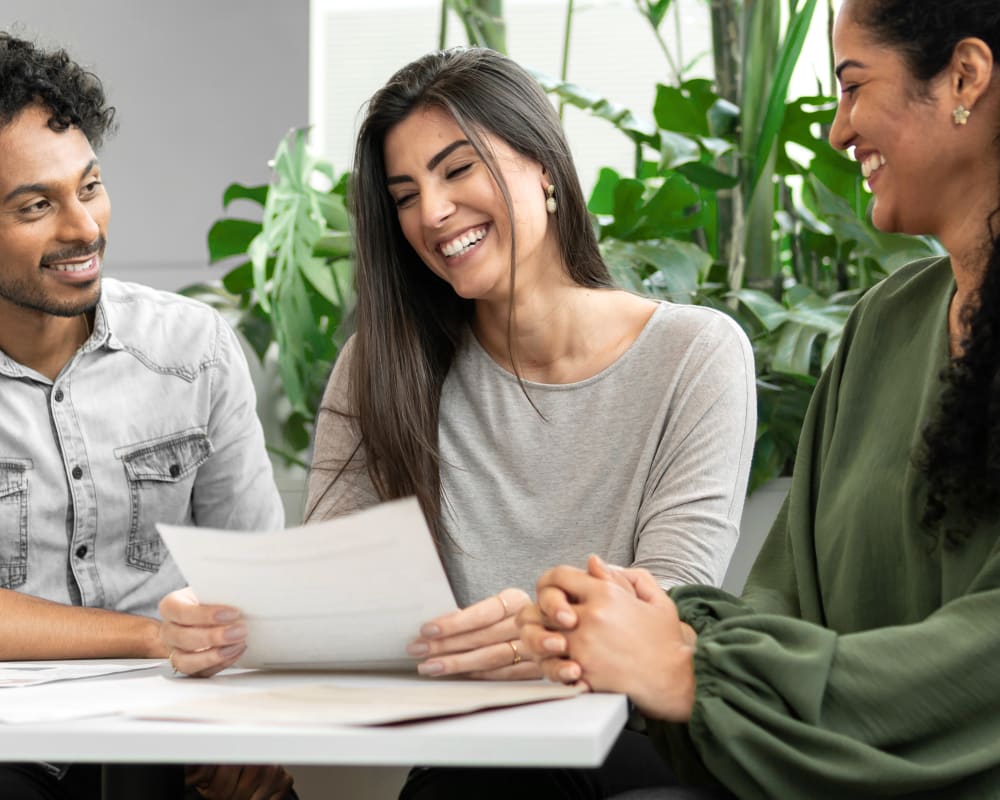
(550, 201)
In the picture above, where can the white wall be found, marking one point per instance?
(204, 90)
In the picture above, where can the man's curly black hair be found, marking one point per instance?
(32, 76)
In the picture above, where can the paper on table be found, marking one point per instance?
(348, 593)
(330, 703)
(18, 674)
(64, 701)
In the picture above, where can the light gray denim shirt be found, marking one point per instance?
(153, 420)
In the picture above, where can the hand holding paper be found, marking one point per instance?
(348, 593)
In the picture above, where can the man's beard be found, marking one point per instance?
(32, 296)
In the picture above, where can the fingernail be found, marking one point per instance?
(235, 633)
(430, 630)
(554, 644)
(430, 668)
(417, 649)
(231, 650)
(566, 618)
(570, 673)
(226, 615)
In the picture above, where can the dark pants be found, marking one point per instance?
(83, 782)
(633, 764)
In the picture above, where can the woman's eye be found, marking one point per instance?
(403, 200)
(454, 173)
(91, 187)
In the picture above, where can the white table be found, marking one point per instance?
(577, 732)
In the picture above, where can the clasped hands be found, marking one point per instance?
(613, 630)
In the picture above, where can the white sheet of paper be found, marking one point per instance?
(348, 593)
(64, 701)
(18, 674)
(350, 702)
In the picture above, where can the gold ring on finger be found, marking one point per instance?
(506, 611)
(170, 660)
(517, 655)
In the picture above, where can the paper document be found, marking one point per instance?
(110, 697)
(349, 593)
(18, 674)
(350, 702)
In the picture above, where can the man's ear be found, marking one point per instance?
(972, 70)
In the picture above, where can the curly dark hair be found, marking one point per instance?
(32, 76)
(961, 452)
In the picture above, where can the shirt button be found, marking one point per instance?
(175, 470)
(77, 473)
(81, 551)
(58, 396)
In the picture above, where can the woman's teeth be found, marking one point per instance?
(460, 245)
(872, 163)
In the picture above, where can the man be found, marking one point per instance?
(120, 407)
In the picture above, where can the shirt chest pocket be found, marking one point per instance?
(161, 475)
(14, 521)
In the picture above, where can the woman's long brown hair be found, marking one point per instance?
(410, 323)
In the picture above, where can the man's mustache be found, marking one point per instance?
(77, 251)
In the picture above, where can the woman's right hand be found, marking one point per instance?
(201, 639)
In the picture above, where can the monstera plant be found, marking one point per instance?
(288, 287)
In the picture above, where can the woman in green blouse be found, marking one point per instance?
(863, 659)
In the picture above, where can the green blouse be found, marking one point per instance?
(863, 659)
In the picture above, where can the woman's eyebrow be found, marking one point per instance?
(435, 160)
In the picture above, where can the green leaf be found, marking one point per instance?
(708, 177)
(766, 310)
(320, 274)
(239, 279)
(794, 351)
(677, 149)
(338, 244)
(774, 113)
(674, 111)
(723, 118)
(230, 237)
(238, 191)
(332, 208)
(602, 198)
(628, 202)
(655, 11)
(636, 127)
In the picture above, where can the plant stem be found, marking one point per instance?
(663, 45)
(443, 25)
(564, 69)
(725, 54)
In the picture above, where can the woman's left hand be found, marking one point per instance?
(480, 641)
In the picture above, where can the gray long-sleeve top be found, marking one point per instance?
(644, 463)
